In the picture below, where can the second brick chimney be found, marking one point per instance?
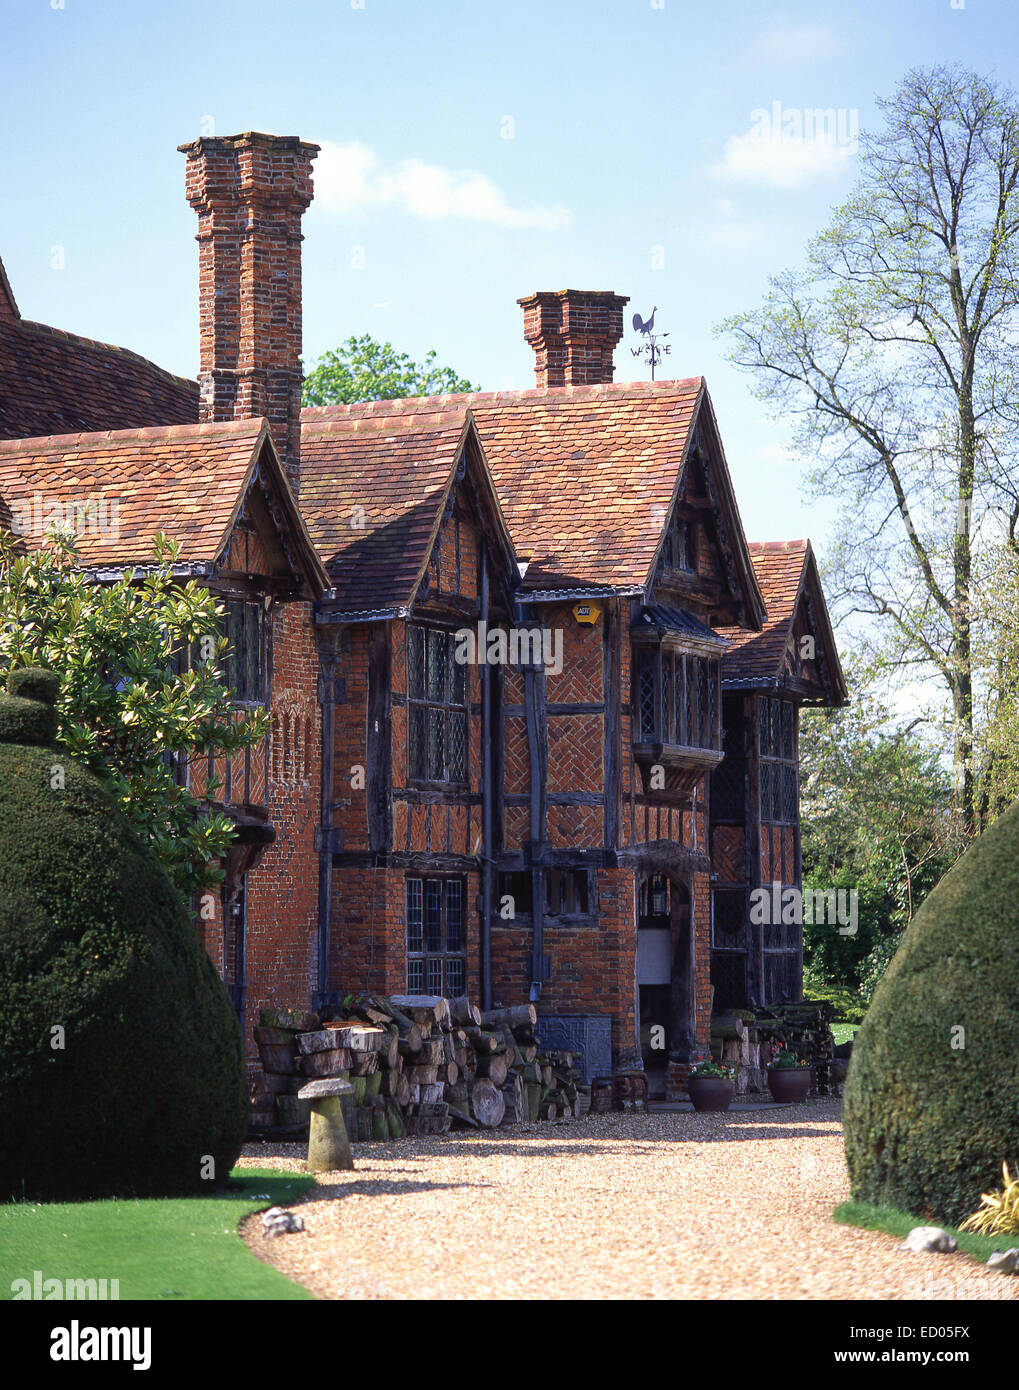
(573, 333)
(250, 192)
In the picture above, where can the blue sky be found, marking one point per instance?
(472, 153)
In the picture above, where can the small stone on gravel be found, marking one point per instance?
(929, 1238)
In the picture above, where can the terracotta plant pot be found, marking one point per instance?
(788, 1083)
(711, 1092)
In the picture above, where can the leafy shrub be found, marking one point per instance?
(932, 1098)
(121, 1060)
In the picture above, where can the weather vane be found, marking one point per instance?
(651, 348)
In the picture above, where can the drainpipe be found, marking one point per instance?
(486, 802)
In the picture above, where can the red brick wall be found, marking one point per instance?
(283, 889)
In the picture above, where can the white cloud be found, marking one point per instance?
(729, 231)
(780, 162)
(804, 43)
(352, 176)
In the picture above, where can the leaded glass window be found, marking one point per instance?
(436, 936)
(436, 707)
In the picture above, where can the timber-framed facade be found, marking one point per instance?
(533, 698)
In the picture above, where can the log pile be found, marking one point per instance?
(747, 1040)
(418, 1064)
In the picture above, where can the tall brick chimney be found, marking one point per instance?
(573, 333)
(250, 193)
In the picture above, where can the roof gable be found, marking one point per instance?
(778, 656)
(375, 487)
(9, 311)
(117, 489)
(578, 471)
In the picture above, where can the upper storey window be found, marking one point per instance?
(776, 724)
(679, 549)
(436, 707)
(245, 660)
(677, 699)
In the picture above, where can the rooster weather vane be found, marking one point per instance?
(650, 348)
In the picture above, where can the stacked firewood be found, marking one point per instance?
(417, 1064)
(747, 1040)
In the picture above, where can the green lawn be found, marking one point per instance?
(844, 1032)
(900, 1223)
(185, 1248)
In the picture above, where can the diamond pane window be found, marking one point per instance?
(763, 728)
(437, 727)
(788, 748)
(243, 666)
(436, 954)
(684, 710)
(415, 663)
(779, 769)
(457, 747)
(646, 696)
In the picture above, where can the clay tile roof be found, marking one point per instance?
(779, 567)
(784, 570)
(118, 488)
(580, 470)
(373, 483)
(55, 383)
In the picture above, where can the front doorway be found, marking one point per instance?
(664, 974)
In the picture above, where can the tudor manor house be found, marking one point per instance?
(584, 831)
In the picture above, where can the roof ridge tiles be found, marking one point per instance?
(422, 405)
(48, 443)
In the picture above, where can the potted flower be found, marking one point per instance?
(788, 1078)
(711, 1086)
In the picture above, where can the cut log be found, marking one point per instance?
(487, 1103)
(422, 1008)
(516, 1099)
(403, 1092)
(359, 1037)
(495, 1067)
(463, 1011)
(519, 1015)
(276, 1037)
(411, 1041)
(533, 1090)
(397, 1128)
(729, 1027)
(484, 1042)
(422, 1076)
(280, 1058)
(364, 1063)
(300, 1020)
(325, 1063)
(434, 1092)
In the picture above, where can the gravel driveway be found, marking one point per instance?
(670, 1205)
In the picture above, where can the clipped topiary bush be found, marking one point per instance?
(121, 1060)
(932, 1098)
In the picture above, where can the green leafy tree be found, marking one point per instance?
(876, 809)
(127, 707)
(363, 369)
(895, 347)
